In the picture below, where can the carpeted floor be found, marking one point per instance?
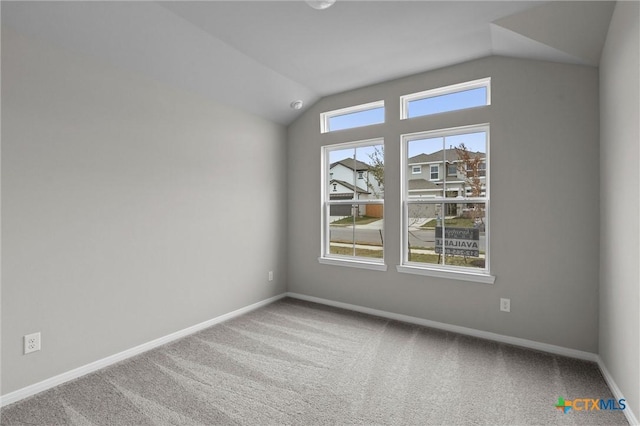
(300, 363)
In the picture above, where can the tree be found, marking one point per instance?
(376, 169)
(469, 166)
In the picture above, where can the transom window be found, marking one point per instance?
(351, 117)
(445, 223)
(444, 99)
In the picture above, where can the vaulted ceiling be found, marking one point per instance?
(260, 56)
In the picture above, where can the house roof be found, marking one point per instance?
(348, 163)
(350, 186)
(450, 154)
(422, 184)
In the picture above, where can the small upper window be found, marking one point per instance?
(355, 116)
(444, 99)
(452, 170)
(416, 170)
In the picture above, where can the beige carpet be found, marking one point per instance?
(300, 363)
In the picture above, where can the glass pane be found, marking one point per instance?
(449, 102)
(356, 174)
(426, 171)
(356, 119)
(464, 236)
(341, 176)
(359, 234)
(422, 221)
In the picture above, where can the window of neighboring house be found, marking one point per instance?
(452, 170)
(480, 169)
(444, 99)
(416, 170)
(360, 175)
(335, 187)
(434, 172)
(351, 117)
(446, 224)
(352, 218)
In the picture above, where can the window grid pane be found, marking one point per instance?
(451, 239)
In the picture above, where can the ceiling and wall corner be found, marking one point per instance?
(260, 56)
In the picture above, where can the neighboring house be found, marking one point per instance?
(429, 174)
(348, 177)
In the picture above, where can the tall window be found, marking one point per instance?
(445, 222)
(353, 203)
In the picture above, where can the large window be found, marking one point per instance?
(445, 220)
(353, 204)
(351, 117)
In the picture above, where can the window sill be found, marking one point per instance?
(362, 264)
(454, 275)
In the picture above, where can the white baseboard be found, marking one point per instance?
(617, 394)
(96, 365)
(516, 341)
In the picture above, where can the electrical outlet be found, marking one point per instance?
(270, 275)
(505, 305)
(31, 343)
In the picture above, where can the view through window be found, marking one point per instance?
(353, 200)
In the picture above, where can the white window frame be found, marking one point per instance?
(414, 172)
(439, 270)
(440, 91)
(326, 203)
(455, 170)
(326, 116)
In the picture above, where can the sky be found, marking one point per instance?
(362, 154)
(449, 102)
(475, 142)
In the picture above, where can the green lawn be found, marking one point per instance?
(348, 251)
(360, 220)
(456, 222)
(451, 260)
(415, 257)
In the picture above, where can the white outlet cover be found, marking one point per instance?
(31, 343)
(505, 305)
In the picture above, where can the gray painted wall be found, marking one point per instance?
(127, 209)
(620, 206)
(544, 204)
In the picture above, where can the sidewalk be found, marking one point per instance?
(378, 248)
